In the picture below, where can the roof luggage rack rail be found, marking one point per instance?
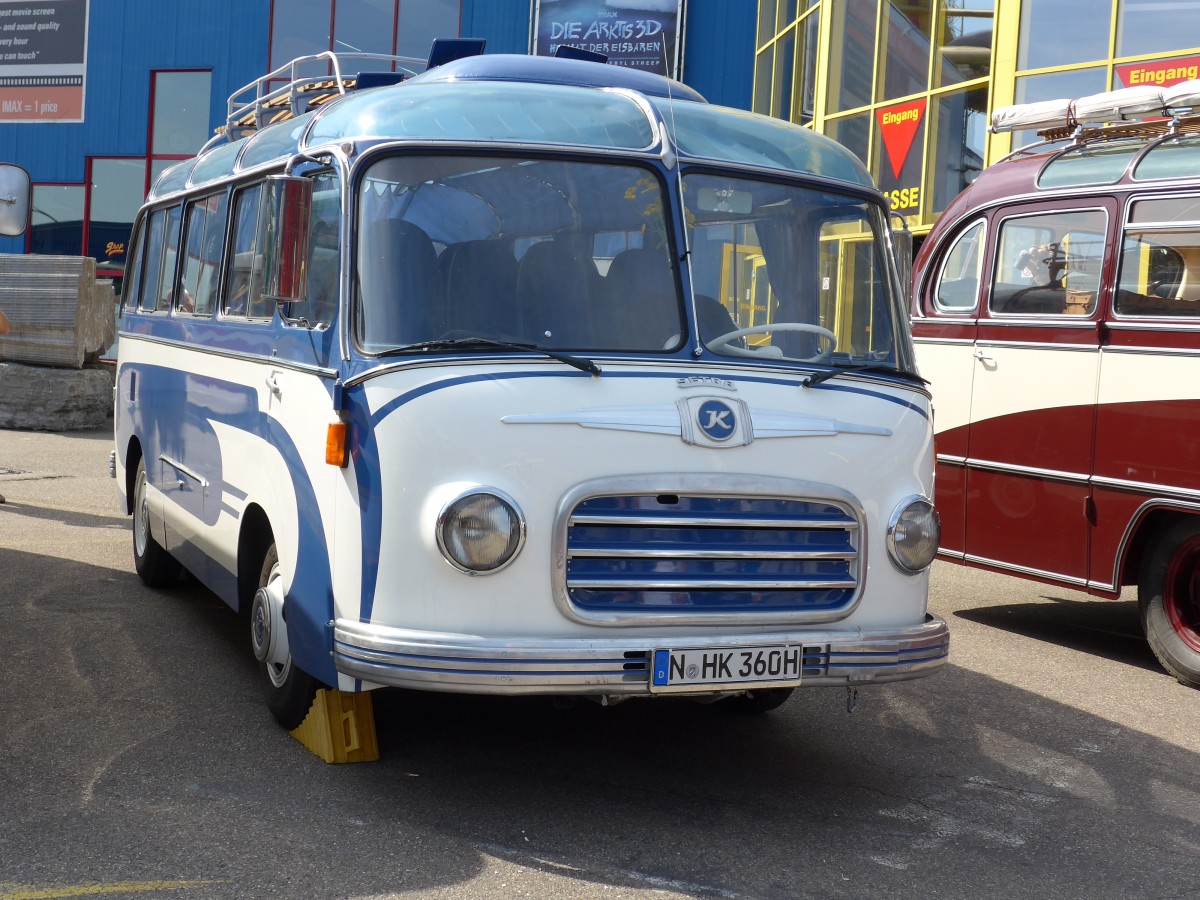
(1109, 115)
(300, 92)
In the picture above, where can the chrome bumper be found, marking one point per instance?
(467, 664)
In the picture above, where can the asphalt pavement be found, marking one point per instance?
(1050, 758)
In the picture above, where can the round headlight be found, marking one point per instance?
(480, 532)
(913, 534)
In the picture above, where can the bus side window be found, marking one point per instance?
(143, 269)
(170, 254)
(1049, 263)
(151, 291)
(244, 274)
(1160, 259)
(323, 250)
(202, 254)
(958, 283)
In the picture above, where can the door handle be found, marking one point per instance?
(983, 357)
(273, 386)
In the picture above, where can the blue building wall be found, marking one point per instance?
(128, 39)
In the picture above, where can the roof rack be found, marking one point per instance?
(299, 93)
(1109, 106)
(1112, 115)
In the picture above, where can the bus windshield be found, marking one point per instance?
(572, 255)
(801, 271)
(559, 254)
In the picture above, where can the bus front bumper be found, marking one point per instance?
(620, 666)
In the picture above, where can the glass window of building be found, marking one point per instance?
(785, 75)
(117, 187)
(959, 128)
(301, 28)
(905, 50)
(764, 70)
(179, 124)
(422, 21)
(852, 46)
(965, 41)
(766, 21)
(403, 27)
(854, 133)
(1062, 32)
(356, 26)
(56, 220)
(1140, 26)
(806, 69)
(787, 14)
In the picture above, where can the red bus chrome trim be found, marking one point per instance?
(1025, 570)
(1163, 492)
(984, 465)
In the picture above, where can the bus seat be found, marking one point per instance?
(1189, 280)
(557, 286)
(714, 318)
(481, 283)
(641, 311)
(401, 287)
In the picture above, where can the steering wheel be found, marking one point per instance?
(720, 344)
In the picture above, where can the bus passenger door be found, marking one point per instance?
(944, 335)
(1033, 395)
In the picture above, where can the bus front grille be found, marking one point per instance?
(706, 554)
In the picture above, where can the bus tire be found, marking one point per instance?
(155, 566)
(1169, 600)
(288, 689)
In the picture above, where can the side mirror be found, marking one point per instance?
(14, 200)
(902, 242)
(286, 212)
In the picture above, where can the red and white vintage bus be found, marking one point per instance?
(1056, 310)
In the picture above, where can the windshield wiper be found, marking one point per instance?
(848, 367)
(579, 362)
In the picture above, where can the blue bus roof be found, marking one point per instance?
(532, 100)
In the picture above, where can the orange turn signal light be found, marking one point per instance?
(335, 445)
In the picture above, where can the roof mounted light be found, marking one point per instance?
(566, 51)
(446, 50)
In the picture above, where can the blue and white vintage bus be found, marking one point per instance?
(527, 375)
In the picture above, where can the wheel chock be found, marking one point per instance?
(340, 727)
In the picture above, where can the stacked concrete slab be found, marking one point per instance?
(61, 318)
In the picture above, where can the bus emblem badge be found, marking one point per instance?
(716, 420)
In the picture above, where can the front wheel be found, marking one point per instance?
(288, 689)
(1169, 600)
(155, 566)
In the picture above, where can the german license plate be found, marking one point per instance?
(777, 663)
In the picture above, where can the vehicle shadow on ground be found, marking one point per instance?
(1109, 629)
(18, 508)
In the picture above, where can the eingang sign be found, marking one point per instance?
(43, 57)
